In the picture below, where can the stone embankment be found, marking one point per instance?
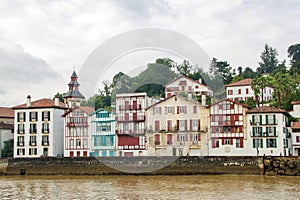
(283, 166)
(186, 165)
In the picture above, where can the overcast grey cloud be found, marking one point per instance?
(56, 36)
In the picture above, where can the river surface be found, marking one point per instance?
(150, 187)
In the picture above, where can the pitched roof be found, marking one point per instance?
(266, 109)
(295, 102)
(182, 76)
(225, 99)
(177, 95)
(41, 103)
(246, 81)
(74, 75)
(102, 109)
(85, 109)
(6, 112)
(73, 94)
(295, 125)
(6, 126)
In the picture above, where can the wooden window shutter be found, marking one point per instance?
(18, 116)
(241, 142)
(177, 124)
(198, 124)
(275, 131)
(267, 119)
(199, 137)
(24, 114)
(166, 109)
(30, 118)
(42, 116)
(191, 125)
(231, 141)
(48, 115)
(223, 141)
(274, 119)
(177, 109)
(260, 119)
(253, 119)
(185, 125)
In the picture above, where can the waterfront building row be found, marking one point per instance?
(173, 126)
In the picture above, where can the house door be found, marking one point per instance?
(71, 153)
(45, 152)
(174, 151)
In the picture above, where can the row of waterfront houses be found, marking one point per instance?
(142, 126)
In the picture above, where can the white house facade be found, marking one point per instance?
(186, 85)
(39, 128)
(242, 90)
(77, 128)
(176, 126)
(295, 128)
(268, 133)
(227, 129)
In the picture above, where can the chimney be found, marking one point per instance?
(203, 100)
(28, 104)
(56, 100)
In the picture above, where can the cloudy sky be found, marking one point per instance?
(41, 42)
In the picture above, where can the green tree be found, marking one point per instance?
(285, 90)
(294, 55)
(221, 68)
(8, 150)
(60, 97)
(269, 61)
(257, 85)
(166, 61)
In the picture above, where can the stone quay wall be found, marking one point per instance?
(185, 165)
(282, 166)
(132, 165)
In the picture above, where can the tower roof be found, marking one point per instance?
(74, 75)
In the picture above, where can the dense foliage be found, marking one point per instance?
(271, 71)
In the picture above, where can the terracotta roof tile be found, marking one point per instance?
(246, 81)
(41, 103)
(295, 125)
(85, 109)
(6, 112)
(266, 109)
(295, 102)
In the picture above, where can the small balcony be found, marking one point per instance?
(45, 143)
(20, 131)
(73, 124)
(270, 122)
(32, 143)
(130, 107)
(45, 130)
(20, 144)
(140, 118)
(264, 134)
(32, 131)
